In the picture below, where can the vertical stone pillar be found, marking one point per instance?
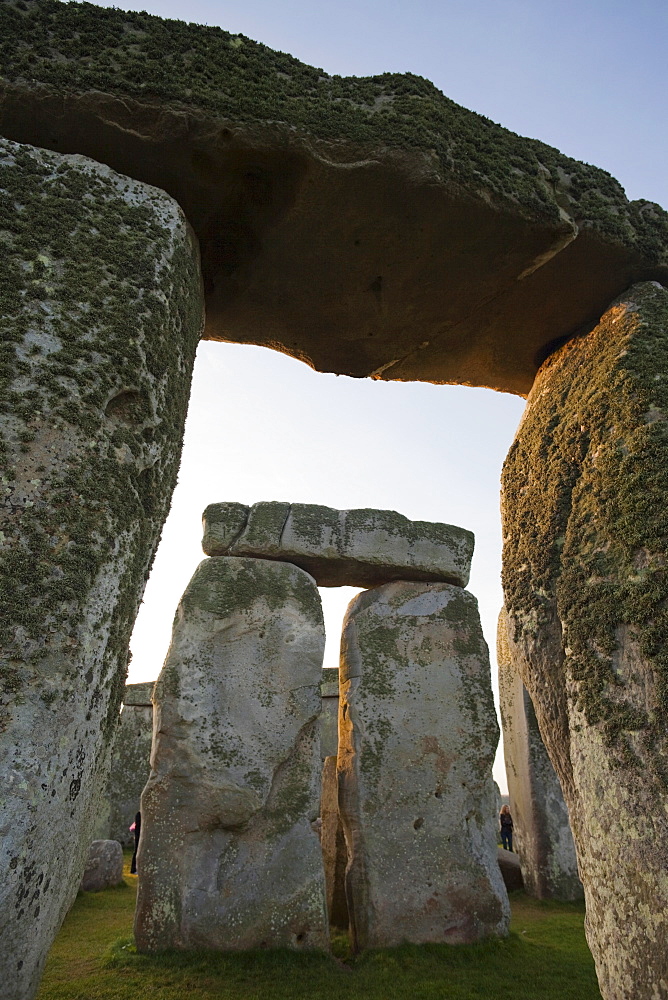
(586, 591)
(329, 720)
(228, 858)
(100, 314)
(130, 760)
(542, 834)
(333, 842)
(417, 735)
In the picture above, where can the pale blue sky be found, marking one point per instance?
(589, 77)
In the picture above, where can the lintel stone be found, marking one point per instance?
(139, 694)
(325, 206)
(354, 548)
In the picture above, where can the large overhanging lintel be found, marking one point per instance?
(352, 246)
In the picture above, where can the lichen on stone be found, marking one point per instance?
(584, 490)
(80, 47)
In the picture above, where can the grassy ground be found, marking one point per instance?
(545, 958)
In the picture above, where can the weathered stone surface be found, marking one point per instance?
(542, 833)
(227, 857)
(329, 718)
(366, 226)
(333, 843)
(130, 767)
(586, 590)
(511, 870)
(139, 695)
(417, 738)
(341, 548)
(104, 866)
(100, 313)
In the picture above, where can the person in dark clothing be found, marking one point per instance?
(506, 821)
(137, 830)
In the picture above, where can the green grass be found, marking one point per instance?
(546, 956)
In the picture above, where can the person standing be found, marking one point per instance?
(506, 822)
(136, 828)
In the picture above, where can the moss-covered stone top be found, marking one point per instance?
(354, 548)
(235, 131)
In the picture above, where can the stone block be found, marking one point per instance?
(417, 738)
(476, 249)
(353, 548)
(329, 720)
(104, 866)
(542, 834)
(228, 858)
(586, 593)
(333, 842)
(511, 869)
(139, 694)
(100, 316)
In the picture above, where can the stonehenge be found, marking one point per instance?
(542, 834)
(326, 206)
(352, 548)
(369, 227)
(585, 529)
(227, 857)
(329, 717)
(417, 738)
(101, 314)
(104, 866)
(130, 764)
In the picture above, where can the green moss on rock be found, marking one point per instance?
(99, 319)
(584, 490)
(78, 47)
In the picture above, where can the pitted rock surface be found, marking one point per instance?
(104, 866)
(368, 226)
(329, 719)
(100, 315)
(417, 739)
(542, 834)
(586, 591)
(139, 695)
(352, 548)
(228, 858)
(333, 843)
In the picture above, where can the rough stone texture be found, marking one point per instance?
(100, 313)
(511, 870)
(542, 834)
(130, 762)
(417, 735)
(586, 590)
(368, 226)
(139, 695)
(227, 857)
(104, 866)
(333, 842)
(129, 766)
(341, 548)
(329, 719)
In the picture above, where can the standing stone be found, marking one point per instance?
(417, 735)
(228, 858)
(130, 759)
(104, 866)
(329, 719)
(542, 834)
(333, 842)
(586, 591)
(100, 313)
